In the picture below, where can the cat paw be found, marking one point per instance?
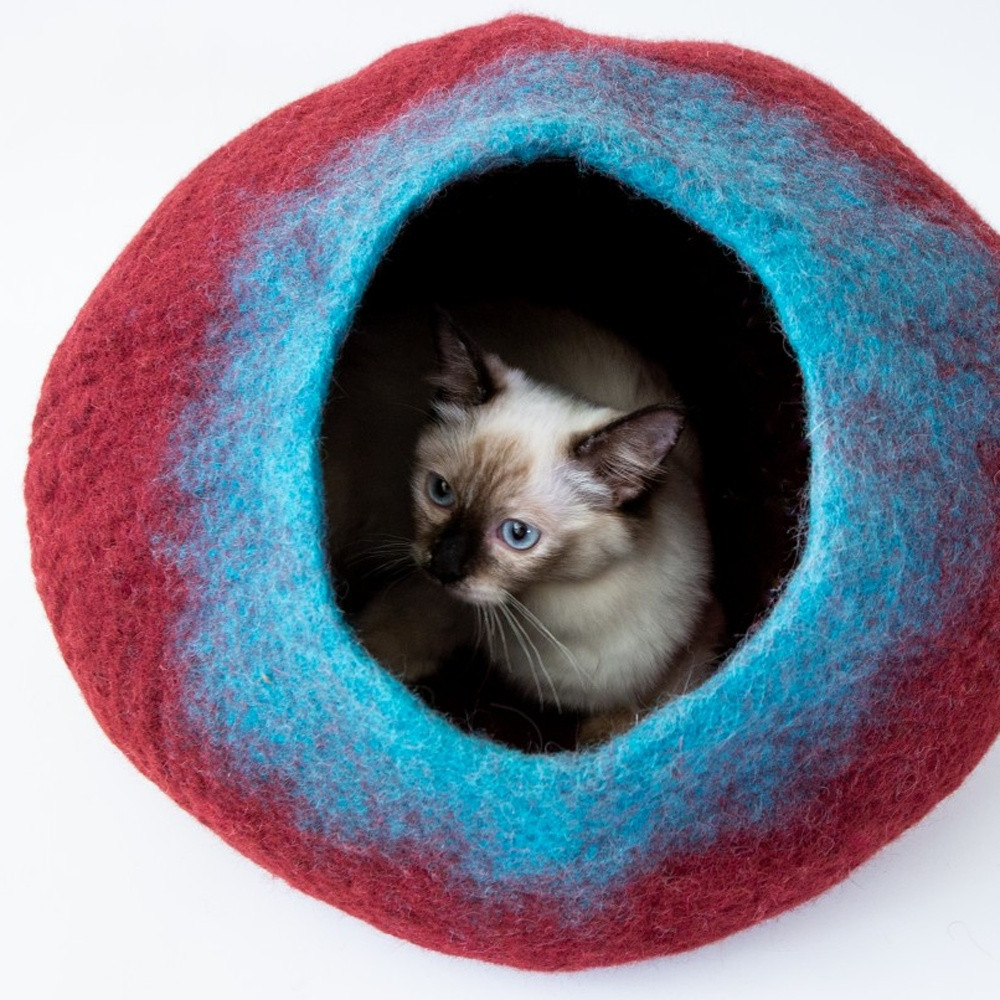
(596, 729)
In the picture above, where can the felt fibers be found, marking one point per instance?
(188, 585)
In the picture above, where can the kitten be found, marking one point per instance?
(556, 518)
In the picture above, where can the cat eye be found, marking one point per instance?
(518, 534)
(439, 490)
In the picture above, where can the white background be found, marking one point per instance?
(109, 890)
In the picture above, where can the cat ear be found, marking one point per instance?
(465, 375)
(625, 455)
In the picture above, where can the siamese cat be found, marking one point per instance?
(545, 505)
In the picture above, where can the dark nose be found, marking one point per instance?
(450, 556)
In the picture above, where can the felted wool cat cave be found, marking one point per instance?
(176, 508)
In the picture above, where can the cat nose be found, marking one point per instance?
(449, 556)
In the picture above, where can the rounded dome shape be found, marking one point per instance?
(176, 509)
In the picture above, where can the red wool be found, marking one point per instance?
(141, 337)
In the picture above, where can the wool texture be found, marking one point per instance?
(176, 509)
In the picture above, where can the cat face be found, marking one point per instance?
(517, 483)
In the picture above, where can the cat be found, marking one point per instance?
(553, 512)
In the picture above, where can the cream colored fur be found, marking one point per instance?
(610, 612)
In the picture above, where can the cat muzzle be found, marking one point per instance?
(450, 556)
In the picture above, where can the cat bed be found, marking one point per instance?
(176, 509)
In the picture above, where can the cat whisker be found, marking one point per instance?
(532, 619)
(503, 610)
(399, 579)
(491, 659)
(480, 626)
(389, 568)
(401, 552)
(422, 410)
(532, 655)
(406, 560)
(524, 715)
(484, 631)
(389, 547)
(375, 539)
(386, 544)
(496, 629)
(381, 557)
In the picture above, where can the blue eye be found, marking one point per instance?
(518, 534)
(439, 490)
